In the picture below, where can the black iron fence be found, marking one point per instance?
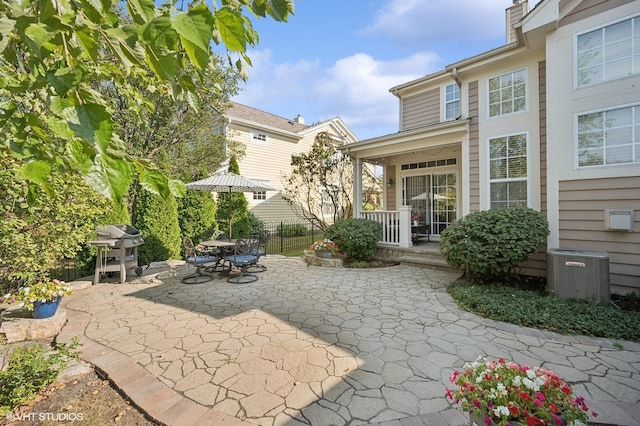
(290, 236)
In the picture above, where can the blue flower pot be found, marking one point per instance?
(46, 309)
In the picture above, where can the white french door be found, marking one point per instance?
(432, 198)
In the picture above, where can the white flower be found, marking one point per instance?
(501, 410)
(502, 389)
(530, 384)
(531, 374)
(517, 381)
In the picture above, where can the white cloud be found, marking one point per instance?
(421, 22)
(355, 88)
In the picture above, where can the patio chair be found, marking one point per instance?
(261, 251)
(200, 260)
(244, 256)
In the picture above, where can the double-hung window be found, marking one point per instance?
(608, 53)
(508, 93)
(508, 171)
(451, 102)
(609, 137)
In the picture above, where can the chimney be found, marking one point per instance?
(513, 15)
(299, 119)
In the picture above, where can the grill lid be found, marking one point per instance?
(118, 231)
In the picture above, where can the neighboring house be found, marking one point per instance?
(270, 141)
(551, 120)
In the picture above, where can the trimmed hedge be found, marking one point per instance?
(493, 242)
(357, 238)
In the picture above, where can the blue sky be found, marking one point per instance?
(341, 57)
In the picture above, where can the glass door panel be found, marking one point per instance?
(444, 201)
(432, 199)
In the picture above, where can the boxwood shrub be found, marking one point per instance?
(492, 243)
(357, 238)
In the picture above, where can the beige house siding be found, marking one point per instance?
(582, 205)
(421, 110)
(390, 193)
(474, 149)
(542, 111)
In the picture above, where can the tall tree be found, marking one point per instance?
(320, 185)
(51, 55)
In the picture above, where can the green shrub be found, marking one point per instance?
(357, 238)
(28, 371)
(197, 215)
(292, 230)
(157, 219)
(493, 242)
(38, 228)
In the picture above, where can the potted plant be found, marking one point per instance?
(41, 298)
(505, 393)
(324, 248)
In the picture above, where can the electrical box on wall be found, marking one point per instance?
(618, 220)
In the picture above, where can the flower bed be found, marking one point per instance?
(501, 392)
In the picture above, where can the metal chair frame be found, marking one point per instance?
(201, 260)
(261, 251)
(244, 256)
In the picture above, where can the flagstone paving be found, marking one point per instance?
(307, 345)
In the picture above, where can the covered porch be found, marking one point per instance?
(423, 175)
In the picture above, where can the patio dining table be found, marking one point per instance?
(225, 247)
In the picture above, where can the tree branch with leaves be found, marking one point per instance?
(53, 51)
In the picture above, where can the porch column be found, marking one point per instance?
(404, 221)
(357, 187)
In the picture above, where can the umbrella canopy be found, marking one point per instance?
(423, 196)
(228, 182)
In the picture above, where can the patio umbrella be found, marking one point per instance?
(228, 182)
(423, 196)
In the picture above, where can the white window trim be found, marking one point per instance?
(576, 156)
(255, 133)
(488, 169)
(254, 201)
(575, 53)
(443, 102)
(526, 94)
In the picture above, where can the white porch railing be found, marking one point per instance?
(396, 225)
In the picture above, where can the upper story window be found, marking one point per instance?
(451, 102)
(259, 137)
(609, 137)
(608, 53)
(508, 93)
(508, 171)
(260, 195)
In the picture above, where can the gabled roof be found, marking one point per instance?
(271, 122)
(258, 117)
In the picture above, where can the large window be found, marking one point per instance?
(609, 137)
(508, 171)
(608, 53)
(508, 93)
(451, 102)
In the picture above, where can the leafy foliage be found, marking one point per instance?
(321, 181)
(493, 242)
(35, 235)
(237, 202)
(54, 54)
(547, 312)
(28, 370)
(197, 215)
(157, 218)
(292, 230)
(357, 238)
